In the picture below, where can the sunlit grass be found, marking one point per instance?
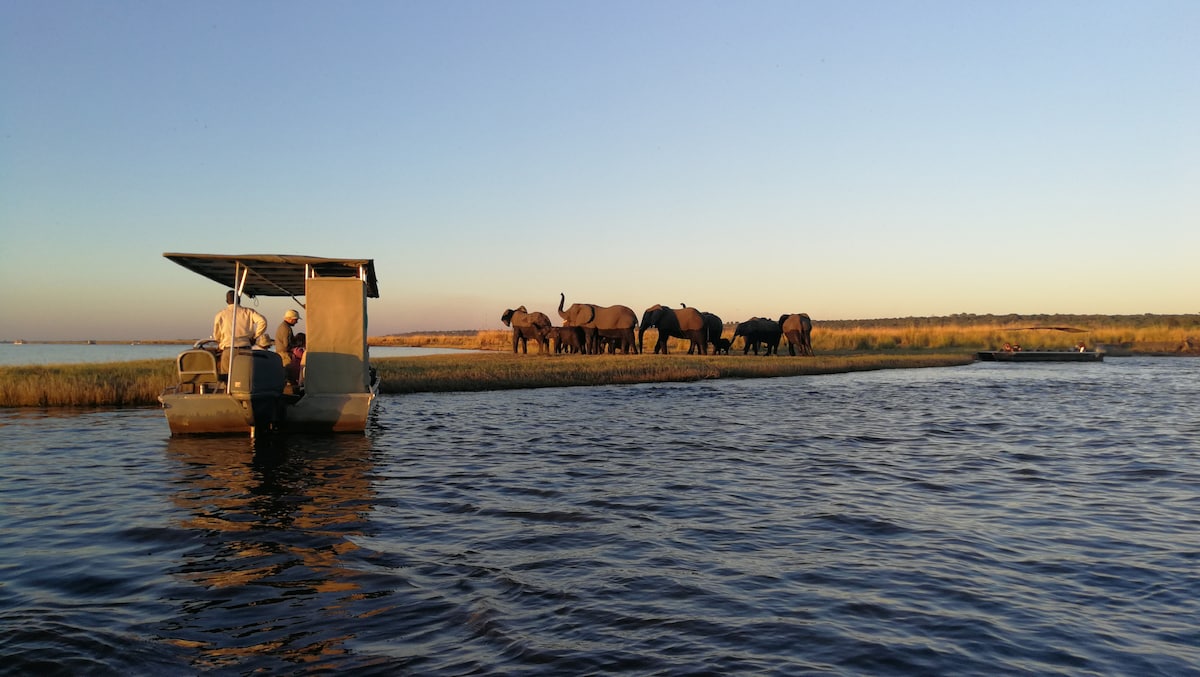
(85, 385)
(1159, 337)
(1153, 338)
(840, 347)
(498, 371)
(140, 383)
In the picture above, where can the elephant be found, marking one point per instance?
(593, 319)
(525, 326)
(714, 326)
(798, 330)
(566, 339)
(612, 340)
(685, 323)
(758, 330)
(721, 346)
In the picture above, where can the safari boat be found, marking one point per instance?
(1040, 356)
(338, 386)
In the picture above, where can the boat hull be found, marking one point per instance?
(220, 413)
(329, 413)
(207, 414)
(1039, 356)
(223, 414)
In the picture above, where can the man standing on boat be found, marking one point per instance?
(285, 341)
(247, 330)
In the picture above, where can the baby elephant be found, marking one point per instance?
(566, 339)
(721, 346)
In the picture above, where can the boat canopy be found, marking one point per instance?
(276, 274)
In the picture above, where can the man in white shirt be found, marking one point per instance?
(249, 329)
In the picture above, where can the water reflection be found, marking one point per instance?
(273, 522)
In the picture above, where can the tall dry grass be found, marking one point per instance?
(840, 346)
(86, 385)
(1151, 338)
(844, 337)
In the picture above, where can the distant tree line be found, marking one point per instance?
(1015, 320)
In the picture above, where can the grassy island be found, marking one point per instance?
(841, 346)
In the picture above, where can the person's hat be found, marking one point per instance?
(291, 315)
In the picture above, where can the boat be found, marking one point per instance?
(1040, 356)
(338, 386)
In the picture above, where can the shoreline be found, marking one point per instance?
(138, 384)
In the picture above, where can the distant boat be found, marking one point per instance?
(1040, 356)
(89, 342)
(19, 342)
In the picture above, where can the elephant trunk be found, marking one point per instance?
(562, 298)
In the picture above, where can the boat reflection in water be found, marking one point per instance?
(274, 524)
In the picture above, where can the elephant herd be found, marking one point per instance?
(589, 328)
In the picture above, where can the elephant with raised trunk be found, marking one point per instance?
(798, 330)
(684, 323)
(758, 330)
(619, 321)
(525, 326)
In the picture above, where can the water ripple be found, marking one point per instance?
(945, 521)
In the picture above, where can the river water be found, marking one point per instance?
(987, 519)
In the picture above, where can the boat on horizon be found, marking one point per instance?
(1040, 356)
(338, 387)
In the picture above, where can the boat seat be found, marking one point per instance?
(198, 371)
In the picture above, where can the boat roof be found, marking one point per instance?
(276, 274)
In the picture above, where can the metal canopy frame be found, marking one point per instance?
(275, 274)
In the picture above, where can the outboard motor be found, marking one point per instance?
(258, 376)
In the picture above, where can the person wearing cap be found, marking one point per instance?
(285, 340)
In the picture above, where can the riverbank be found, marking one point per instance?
(841, 346)
(139, 383)
(505, 371)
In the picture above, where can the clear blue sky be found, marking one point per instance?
(846, 159)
